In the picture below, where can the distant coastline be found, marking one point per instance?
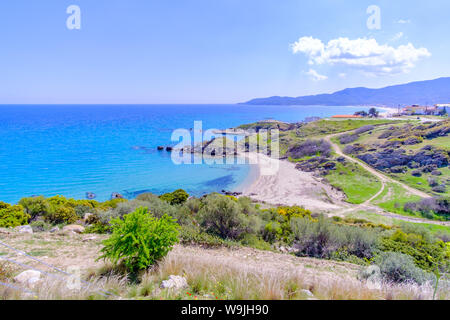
(427, 92)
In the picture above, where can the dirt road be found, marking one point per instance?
(367, 205)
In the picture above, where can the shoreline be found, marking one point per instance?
(278, 182)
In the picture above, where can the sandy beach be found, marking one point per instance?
(278, 182)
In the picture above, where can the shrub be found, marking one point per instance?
(398, 267)
(159, 207)
(12, 216)
(60, 201)
(426, 254)
(251, 240)
(353, 149)
(222, 216)
(416, 173)
(272, 231)
(120, 210)
(322, 238)
(81, 210)
(193, 205)
(194, 235)
(40, 226)
(177, 197)
(140, 240)
(364, 129)
(310, 148)
(293, 212)
(98, 228)
(62, 214)
(433, 182)
(439, 189)
(348, 138)
(113, 203)
(35, 206)
(430, 206)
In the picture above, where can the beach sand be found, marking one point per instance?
(278, 182)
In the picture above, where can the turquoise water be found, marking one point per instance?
(70, 149)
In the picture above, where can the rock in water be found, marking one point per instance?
(116, 195)
(174, 282)
(25, 229)
(28, 277)
(74, 228)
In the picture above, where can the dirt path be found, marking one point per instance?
(383, 178)
(367, 205)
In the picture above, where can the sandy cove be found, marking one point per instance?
(278, 182)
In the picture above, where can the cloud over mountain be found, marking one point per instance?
(363, 54)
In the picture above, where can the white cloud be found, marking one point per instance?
(363, 54)
(315, 75)
(342, 75)
(402, 21)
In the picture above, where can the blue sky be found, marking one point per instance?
(214, 51)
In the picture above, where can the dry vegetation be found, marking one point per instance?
(221, 273)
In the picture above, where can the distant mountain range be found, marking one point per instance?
(421, 92)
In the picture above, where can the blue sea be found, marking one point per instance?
(73, 149)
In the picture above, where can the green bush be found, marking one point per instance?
(62, 214)
(12, 216)
(322, 238)
(251, 240)
(177, 197)
(40, 226)
(81, 210)
(427, 255)
(222, 216)
(194, 205)
(140, 240)
(194, 235)
(120, 210)
(60, 201)
(272, 231)
(98, 228)
(35, 206)
(398, 267)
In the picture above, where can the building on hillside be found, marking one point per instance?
(420, 110)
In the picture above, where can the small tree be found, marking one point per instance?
(223, 217)
(35, 206)
(177, 197)
(373, 112)
(140, 240)
(361, 113)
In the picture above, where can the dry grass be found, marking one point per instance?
(221, 273)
